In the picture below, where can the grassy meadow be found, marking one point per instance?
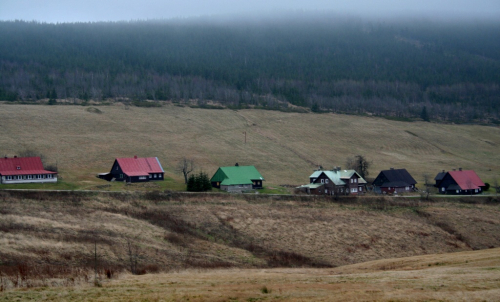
(285, 147)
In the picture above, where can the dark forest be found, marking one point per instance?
(416, 69)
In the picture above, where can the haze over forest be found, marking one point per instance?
(444, 70)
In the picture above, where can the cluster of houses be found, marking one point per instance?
(244, 178)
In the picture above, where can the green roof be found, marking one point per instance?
(236, 175)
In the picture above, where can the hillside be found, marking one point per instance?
(464, 276)
(285, 147)
(50, 239)
(314, 60)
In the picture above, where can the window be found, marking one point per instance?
(154, 175)
(442, 189)
(24, 176)
(407, 188)
(352, 180)
(360, 189)
(121, 175)
(476, 190)
(354, 190)
(326, 191)
(341, 190)
(150, 175)
(355, 180)
(39, 176)
(458, 191)
(19, 167)
(9, 177)
(49, 175)
(326, 181)
(142, 177)
(322, 181)
(30, 176)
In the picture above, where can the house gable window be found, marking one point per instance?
(322, 181)
(326, 180)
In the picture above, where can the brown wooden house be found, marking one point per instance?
(335, 182)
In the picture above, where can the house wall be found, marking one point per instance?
(353, 185)
(236, 188)
(25, 179)
(392, 190)
(256, 184)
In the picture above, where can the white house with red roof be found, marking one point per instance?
(461, 182)
(17, 170)
(135, 169)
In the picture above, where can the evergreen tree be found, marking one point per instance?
(424, 115)
(199, 183)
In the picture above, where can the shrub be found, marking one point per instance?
(199, 183)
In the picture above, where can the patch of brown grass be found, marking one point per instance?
(465, 276)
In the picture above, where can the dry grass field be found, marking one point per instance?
(285, 147)
(223, 247)
(49, 239)
(464, 276)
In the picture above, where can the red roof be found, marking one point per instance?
(22, 166)
(467, 179)
(140, 166)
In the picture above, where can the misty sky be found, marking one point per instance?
(118, 10)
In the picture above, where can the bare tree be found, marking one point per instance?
(185, 166)
(358, 163)
(428, 186)
(133, 256)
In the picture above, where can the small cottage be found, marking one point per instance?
(461, 182)
(19, 170)
(394, 181)
(237, 178)
(135, 169)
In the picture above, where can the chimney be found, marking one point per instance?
(459, 169)
(392, 168)
(135, 156)
(443, 171)
(237, 165)
(15, 156)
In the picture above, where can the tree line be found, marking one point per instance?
(387, 68)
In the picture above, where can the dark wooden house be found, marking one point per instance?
(335, 182)
(394, 181)
(135, 169)
(461, 182)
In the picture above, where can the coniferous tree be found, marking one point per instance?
(424, 115)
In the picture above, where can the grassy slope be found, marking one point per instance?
(285, 147)
(465, 276)
(224, 231)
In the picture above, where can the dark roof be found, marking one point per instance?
(440, 176)
(397, 178)
(22, 166)
(466, 179)
(140, 166)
